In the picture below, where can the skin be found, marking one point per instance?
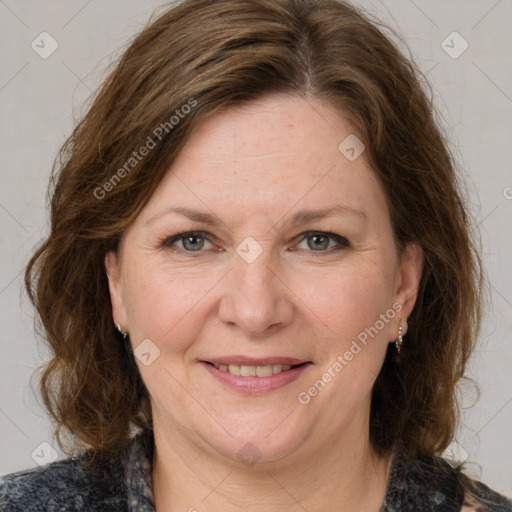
(255, 167)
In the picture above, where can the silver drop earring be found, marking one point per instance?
(124, 334)
(400, 339)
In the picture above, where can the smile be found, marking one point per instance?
(254, 379)
(254, 371)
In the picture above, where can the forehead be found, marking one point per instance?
(280, 152)
(276, 127)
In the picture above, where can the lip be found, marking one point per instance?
(257, 385)
(255, 361)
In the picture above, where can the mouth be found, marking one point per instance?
(255, 376)
(243, 370)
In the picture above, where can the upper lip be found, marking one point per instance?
(255, 361)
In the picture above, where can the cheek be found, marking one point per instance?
(164, 304)
(349, 300)
(354, 310)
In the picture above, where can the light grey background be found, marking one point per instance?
(39, 99)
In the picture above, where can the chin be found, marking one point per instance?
(265, 445)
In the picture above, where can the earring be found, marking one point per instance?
(124, 334)
(400, 339)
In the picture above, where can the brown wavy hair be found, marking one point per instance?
(214, 55)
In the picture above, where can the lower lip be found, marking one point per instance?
(256, 385)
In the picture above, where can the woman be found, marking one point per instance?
(259, 288)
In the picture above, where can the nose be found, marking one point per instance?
(256, 299)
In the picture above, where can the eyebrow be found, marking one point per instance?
(301, 217)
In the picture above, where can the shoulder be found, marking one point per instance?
(68, 485)
(481, 498)
(431, 483)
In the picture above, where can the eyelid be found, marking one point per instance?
(341, 240)
(169, 240)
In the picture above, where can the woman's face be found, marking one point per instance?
(291, 260)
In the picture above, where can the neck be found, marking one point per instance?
(344, 476)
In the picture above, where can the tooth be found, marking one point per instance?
(252, 371)
(277, 368)
(234, 369)
(264, 371)
(247, 371)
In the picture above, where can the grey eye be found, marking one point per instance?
(193, 242)
(318, 242)
(190, 241)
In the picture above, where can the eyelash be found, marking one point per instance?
(168, 242)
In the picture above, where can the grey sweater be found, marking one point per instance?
(123, 483)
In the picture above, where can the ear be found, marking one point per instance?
(408, 282)
(116, 290)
